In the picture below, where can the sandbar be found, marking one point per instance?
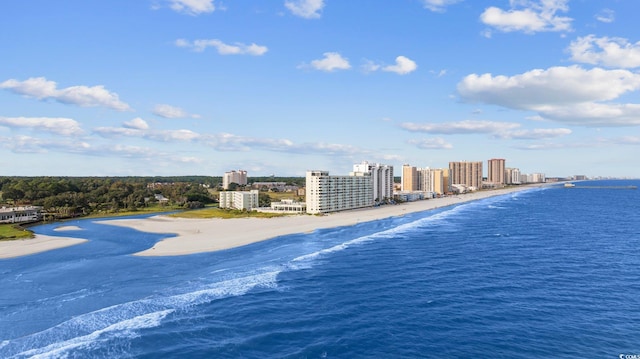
(41, 243)
(67, 228)
(208, 235)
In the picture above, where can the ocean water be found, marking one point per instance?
(544, 273)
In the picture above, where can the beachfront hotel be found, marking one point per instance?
(381, 176)
(435, 181)
(409, 178)
(496, 171)
(20, 214)
(247, 200)
(512, 176)
(238, 177)
(326, 193)
(468, 174)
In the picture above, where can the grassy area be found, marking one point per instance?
(11, 231)
(224, 213)
(146, 210)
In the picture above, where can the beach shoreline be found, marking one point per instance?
(190, 236)
(209, 235)
(40, 243)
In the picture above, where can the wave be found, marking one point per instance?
(123, 329)
(97, 329)
(102, 328)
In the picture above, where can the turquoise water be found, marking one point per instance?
(547, 273)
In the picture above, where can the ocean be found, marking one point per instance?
(549, 272)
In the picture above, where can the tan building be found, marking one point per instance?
(496, 171)
(440, 181)
(465, 173)
(409, 178)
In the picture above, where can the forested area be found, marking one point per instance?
(64, 197)
(79, 196)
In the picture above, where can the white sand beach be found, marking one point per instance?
(41, 243)
(208, 235)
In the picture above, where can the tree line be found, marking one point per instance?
(78, 196)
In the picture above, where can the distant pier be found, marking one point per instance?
(571, 185)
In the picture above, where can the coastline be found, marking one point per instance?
(41, 243)
(209, 235)
(192, 236)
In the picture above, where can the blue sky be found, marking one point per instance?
(200, 87)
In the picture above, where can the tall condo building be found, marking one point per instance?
(239, 177)
(381, 176)
(466, 173)
(512, 176)
(496, 171)
(326, 193)
(409, 178)
(425, 182)
(433, 180)
(440, 178)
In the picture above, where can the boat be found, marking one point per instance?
(569, 185)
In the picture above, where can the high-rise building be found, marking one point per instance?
(496, 171)
(382, 177)
(433, 180)
(425, 182)
(440, 179)
(409, 178)
(239, 177)
(326, 193)
(512, 176)
(466, 173)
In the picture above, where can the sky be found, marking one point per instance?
(279, 87)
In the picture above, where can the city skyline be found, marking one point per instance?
(200, 87)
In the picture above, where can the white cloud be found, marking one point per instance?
(605, 51)
(28, 144)
(438, 5)
(503, 130)
(403, 66)
(528, 16)
(168, 111)
(431, 144)
(193, 7)
(332, 61)
(140, 128)
(535, 134)
(370, 66)
(137, 124)
(59, 126)
(606, 16)
(222, 48)
(566, 94)
(84, 96)
(308, 9)
(462, 127)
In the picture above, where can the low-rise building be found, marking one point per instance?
(247, 200)
(288, 206)
(20, 214)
